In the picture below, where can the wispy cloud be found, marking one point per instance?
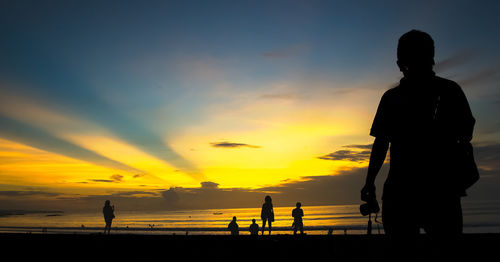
(38, 138)
(226, 144)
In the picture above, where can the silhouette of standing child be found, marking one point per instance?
(254, 228)
(267, 213)
(297, 215)
(233, 227)
(108, 212)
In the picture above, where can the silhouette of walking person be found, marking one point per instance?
(109, 213)
(297, 215)
(267, 213)
(426, 120)
(254, 228)
(233, 227)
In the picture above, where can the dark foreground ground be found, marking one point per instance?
(68, 247)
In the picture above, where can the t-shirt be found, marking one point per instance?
(297, 214)
(254, 229)
(423, 120)
(233, 227)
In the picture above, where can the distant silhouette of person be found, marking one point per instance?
(424, 120)
(267, 213)
(297, 215)
(109, 213)
(254, 228)
(233, 227)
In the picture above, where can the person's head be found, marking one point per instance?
(107, 203)
(298, 205)
(234, 218)
(415, 52)
(268, 199)
(253, 221)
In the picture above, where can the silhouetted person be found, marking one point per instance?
(267, 213)
(108, 212)
(297, 215)
(254, 228)
(233, 227)
(424, 120)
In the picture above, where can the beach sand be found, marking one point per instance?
(119, 247)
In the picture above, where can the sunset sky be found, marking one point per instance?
(202, 104)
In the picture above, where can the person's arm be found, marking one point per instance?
(377, 158)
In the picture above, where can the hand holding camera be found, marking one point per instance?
(368, 195)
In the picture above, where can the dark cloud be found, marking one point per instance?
(209, 185)
(117, 177)
(488, 156)
(20, 193)
(368, 146)
(354, 153)
(342, 188)
(135, 193)
(102, 180)
(226, 144)
(348, 155)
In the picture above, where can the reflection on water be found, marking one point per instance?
(478, 217)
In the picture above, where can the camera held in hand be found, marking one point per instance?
(371, 206)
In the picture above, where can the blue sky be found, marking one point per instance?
(171, 78)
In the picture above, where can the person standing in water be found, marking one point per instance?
(267, 213)
(297, 215)
(109, 213)
(233, 227)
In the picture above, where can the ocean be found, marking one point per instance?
(479, 217)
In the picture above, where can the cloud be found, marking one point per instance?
(343, 188)
(49, 81)
(21, 193)
(102, 180)
(209, 185)
(368, 146)
(226, 144)
(457, 59)
(117, 177)
(41, 139)
(359, 154)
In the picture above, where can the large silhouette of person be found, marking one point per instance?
(109, 213)
(424, 119)
(267, 213)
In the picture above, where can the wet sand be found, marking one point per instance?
(120, 247)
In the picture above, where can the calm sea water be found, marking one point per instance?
(479, 217)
